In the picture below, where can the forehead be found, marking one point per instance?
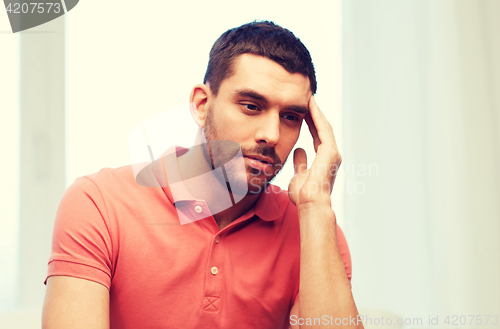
(267, 78)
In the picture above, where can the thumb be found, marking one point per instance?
(299, 161)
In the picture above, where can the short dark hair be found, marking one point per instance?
(262, 38)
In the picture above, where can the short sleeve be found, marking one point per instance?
(81, 241)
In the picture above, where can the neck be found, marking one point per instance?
(226, 217)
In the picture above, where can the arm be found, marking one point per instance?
(79, 269)
(325, 291)
(75, 303)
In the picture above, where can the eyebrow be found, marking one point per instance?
(255, 95)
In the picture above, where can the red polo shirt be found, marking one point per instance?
(161, 274)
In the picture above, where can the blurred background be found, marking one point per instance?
(411, 87)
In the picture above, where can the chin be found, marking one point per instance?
(257, 184)
(247, 184)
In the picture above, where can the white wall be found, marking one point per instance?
(420, 91)
(9, 163)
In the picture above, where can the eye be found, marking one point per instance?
(251, 107)
(291, 117)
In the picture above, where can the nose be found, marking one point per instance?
(268, 129)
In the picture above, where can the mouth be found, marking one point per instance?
(259, 158)
(263, 161)
(264, 165)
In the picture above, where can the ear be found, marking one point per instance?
(199, 100)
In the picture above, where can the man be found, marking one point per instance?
(239, 267)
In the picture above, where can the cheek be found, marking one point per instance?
(291, 136)
(287, 145)
(240, 127)
(223, 124)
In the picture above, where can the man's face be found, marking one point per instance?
(261, 107)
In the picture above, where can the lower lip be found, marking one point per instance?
(264, 167)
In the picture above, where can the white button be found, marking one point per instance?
(217, 239)
(214, 270)
(198, 209)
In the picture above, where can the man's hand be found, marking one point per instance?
(324, 288)
(315, 185)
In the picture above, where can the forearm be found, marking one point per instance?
(324, 287)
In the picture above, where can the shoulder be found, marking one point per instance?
(113, 185)
(110, 193)
(86, 199)
(111, 178)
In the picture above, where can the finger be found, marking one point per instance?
(323, 127)
(313, 131)
(300, 161)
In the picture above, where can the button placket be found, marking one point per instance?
(214, 275)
